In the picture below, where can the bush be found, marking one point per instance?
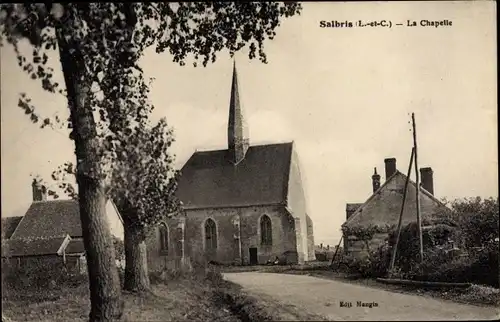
(478, 219)
(40, 275)
(373, 265)
(480, 268)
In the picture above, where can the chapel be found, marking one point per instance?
(243, 205)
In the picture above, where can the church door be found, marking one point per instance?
(253, 256)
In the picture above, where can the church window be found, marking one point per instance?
(210, 234)
(266, 232)
(164, 239)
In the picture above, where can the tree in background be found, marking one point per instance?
(478, 220)
(89, 38)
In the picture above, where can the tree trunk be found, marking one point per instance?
(104, 283)
(136, 262)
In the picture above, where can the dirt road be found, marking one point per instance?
(339, 301)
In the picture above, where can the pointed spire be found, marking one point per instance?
(237, 131)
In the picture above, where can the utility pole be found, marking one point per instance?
(400, 222)
(417, 176)
(336, 250)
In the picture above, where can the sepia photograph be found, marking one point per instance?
(249, 161)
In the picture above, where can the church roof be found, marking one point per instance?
(209, 179)
(50, 218)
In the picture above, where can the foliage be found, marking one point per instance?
(478, 220)
(119, 248)
(436, 241)
(373, 265)
(116, 36)
(478, 268)
(365, 232)
(39, 275)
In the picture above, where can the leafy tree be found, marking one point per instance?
(92, 37)
(478, 220)
(143, 186)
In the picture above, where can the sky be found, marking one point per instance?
(343, 95)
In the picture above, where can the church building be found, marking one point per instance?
(243, 205)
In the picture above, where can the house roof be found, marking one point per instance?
(392, 202)
(45, 219)
(210, 180)
(353, 206)
(9, 224)
(31, 247)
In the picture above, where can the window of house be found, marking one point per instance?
(164, 239)
(210, 234)
(266, 232)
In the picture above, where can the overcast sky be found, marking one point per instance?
(344, 95)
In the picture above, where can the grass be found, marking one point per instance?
(177, 300)
(202, 295)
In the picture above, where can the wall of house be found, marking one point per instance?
(298, 207)
(361, 248)
(114, 220)
(238, 230)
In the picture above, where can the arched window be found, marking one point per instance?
(163, 239)
(210, 234)
(266, 231)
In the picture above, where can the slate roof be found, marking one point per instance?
(9, 224)
(31, 247)
(210, 180)
(50, 218)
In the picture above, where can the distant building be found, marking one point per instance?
(50, 232)
(243, 205)
(384, 206)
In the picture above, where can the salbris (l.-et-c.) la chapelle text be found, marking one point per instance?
(387, 23)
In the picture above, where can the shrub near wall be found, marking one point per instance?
(40, 273)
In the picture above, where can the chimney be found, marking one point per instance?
(39, 191)
(427, 179)
(390, 167)
(375, 180)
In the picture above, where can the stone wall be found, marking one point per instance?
(298, 207)
(174, 258)
(310, 239)
(361, 248)
(238, 230)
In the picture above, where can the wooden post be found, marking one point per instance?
(417, 176)
(400, 222)
(336, 250)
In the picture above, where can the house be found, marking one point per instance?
(383, 207)
(242, 205)
(39, 252)
(9, 224)
(50, 232)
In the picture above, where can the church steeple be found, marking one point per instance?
(237, 130)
